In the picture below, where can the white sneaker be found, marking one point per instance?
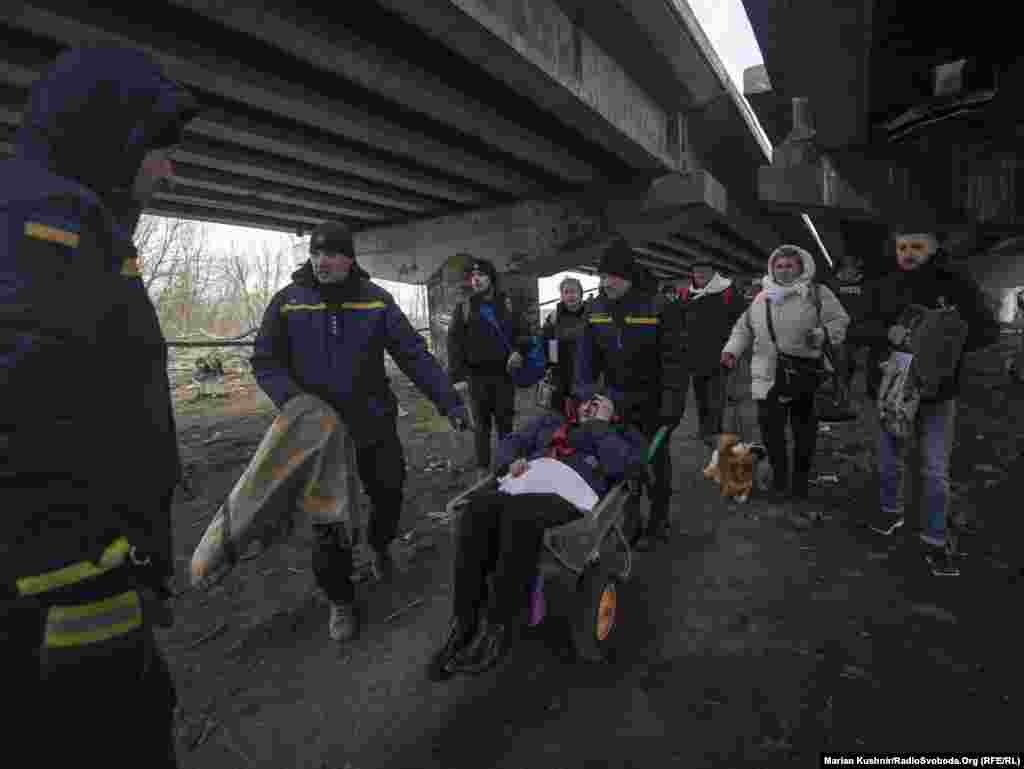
(344, 623)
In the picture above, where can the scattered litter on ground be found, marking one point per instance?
(935, 612)
(210, 725)
(399, 612)
(218, 630)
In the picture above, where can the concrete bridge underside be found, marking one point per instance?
(908, 116)
(528, 132)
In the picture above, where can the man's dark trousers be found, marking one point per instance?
(382, 472)
(494, 398)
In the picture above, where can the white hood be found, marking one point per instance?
(776, 292)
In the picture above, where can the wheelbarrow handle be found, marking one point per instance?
(659, 438)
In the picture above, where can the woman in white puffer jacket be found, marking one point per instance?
(789, 290)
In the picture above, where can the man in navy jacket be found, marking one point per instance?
(326, 334)
(638, 344)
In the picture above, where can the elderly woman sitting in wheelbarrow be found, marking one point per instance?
(557, 467)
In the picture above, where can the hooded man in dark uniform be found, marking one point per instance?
(89, 469)
(637, 342)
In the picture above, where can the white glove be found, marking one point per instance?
(515, 360)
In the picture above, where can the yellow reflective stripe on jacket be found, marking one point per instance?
(130, 267)
(378, 305)
(294, 307)
(112, 557)
(52, 234)
(93, 622)
(634, 320)
(600, 318)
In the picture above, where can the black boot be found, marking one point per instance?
(488, 648)
(461, 633)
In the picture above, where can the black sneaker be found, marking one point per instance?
(886, 523)
(942, 563)
(941, 558)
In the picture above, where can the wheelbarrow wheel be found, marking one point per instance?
(598, 613)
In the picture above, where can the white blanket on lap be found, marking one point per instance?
(550, 476)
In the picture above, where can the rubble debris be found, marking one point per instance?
(408, 607)
(227, 741)
(210, 725)
(935, 612)
(218, 630)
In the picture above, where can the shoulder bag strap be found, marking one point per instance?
(771, 324)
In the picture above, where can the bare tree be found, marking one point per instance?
(250, 281)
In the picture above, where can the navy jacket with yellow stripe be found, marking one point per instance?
(638, 345)
(88, 447)
(330, 340)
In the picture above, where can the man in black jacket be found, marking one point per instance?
(487, 339)
(922, 278)
(638, 343)
(710, 303)
(89, 469)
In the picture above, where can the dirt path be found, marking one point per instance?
(746, 642)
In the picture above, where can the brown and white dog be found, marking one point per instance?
(735, 466)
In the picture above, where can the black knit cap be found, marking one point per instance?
(617, 259)
(486, 267)
(332, 238)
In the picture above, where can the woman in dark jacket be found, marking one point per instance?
(562, 331)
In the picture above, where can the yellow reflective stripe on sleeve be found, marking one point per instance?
(112, 557)
(93, 622)
(378, 305)
(634, 320)
(130, 267)
(52, 234)
(600, 319)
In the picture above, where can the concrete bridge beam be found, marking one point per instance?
(334, 50)
(535, 47)
(215, 73)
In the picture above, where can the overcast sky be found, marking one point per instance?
(726, 26)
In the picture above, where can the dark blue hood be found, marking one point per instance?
(96, 113)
